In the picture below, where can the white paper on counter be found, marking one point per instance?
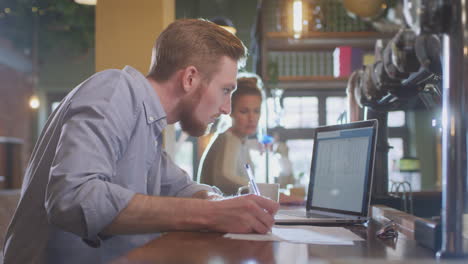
(304, 234)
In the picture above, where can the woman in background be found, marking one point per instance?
(223, 162)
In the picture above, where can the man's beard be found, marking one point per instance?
(188, 120)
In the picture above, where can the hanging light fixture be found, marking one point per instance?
(86, 2)
(297, 18)
(34, 102)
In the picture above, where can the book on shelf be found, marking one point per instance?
(346, 60)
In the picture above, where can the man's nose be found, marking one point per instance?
(226, 107)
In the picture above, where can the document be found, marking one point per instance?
(303, 234)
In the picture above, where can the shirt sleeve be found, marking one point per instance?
(81, 197)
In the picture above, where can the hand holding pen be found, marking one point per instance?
(245, 213)
(252, 180)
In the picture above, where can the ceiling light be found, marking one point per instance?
(297, 18)
(86, 2)
(34, 102)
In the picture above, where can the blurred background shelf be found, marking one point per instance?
(284, 41)
(311, 82)
(312, 78)
(312, 85)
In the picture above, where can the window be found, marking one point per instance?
(394, 154)
(397, 133)
(303, 110)
(335, 107)
(185, 154)
(300, 112)
(275, 112)
(53, 100)
(259, 160)
(184, 157)
(301, 158)
(396, 119)
(54, 105)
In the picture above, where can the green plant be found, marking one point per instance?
(57, 23)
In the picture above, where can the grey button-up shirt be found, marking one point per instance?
(102, 145)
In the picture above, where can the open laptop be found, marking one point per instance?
(340, 177)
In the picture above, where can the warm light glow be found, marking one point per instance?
(34, 102)
(452, 126)
(463, 18)
(86, 2)
(297, 18)
(230, 29)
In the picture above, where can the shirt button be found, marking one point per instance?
(155, 143)
(151, 119)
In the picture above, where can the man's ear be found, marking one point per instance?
(190, 78)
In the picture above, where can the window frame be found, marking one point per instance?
(307, 133)
(322, 95)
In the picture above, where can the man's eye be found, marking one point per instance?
(227, 91)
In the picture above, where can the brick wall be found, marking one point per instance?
(15, 117)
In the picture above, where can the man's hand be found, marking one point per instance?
(207, 195)
(242, 214)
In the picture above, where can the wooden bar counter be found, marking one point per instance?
(205, 247)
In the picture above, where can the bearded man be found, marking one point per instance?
(99, 183)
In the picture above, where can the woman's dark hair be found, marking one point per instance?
(247, 85)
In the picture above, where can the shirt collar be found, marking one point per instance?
(152, 104)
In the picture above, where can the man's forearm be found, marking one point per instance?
(149, 214)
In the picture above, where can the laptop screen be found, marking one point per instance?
(341, 168)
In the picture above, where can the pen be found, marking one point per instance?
(252, 180)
